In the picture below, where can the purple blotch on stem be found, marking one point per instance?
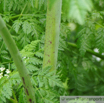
(27, 92)
(23, 80)
(30, 100)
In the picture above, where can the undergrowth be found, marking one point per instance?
(78, 71)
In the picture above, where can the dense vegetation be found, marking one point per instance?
(80, 53)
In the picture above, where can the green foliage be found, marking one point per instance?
(76, 10)
(84, 41)
(8, 5)
(44, 82)
(80, 72)
(100, 40)
(91, 30)
(6, 86)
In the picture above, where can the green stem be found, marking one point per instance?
(18, 62)
(22, 11)
(52, 34)
(14, 96)
(6, 62)
(12, 100)
(36, 4)
(88, 50)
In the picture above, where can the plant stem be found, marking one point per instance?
(88, 50)
(52, 34)
(12, 100)
(18, 62)
(36, 4)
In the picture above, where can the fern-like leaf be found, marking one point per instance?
(100, 39)
(71, 8)
(16, 25)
